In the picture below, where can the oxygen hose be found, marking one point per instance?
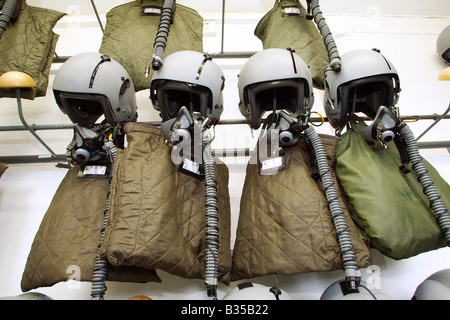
(9, 7)
(162, 34)
(337, 215)
(98, 287)
(429, 189)
(333, 54)
(212, 219)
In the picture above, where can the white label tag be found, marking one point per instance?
(291, 11)
(271, 163)
(151, 10)
(191, 166)
(97, 170)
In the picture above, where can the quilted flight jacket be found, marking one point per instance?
(278, 29)
(69, 236)
(28, 45)
(129, 37)
(285, 226)
(157, 216)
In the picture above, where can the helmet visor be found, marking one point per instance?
(170, 96)
(275, 95)
(368, 94)
(446, 55)
(84, 109)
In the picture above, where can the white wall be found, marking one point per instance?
(405, 31)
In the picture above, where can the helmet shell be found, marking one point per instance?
(188, 77)
(270, 70)
(435, 287)
(255, 291)
(443, 44)
(90, 84)
(366, 74)
(335, 292)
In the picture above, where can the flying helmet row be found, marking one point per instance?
(90, 85)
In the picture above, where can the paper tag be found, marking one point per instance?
(291, 11)
(271, 163)
(191, 166)
(151, 11)
(94, 170)
(270, 166)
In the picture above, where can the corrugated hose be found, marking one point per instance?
(161, 36)
(424, 178)
(9, 7)
(212, 219)
(334, 205)
(333, 54)
(98, 288)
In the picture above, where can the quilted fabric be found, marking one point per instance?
(69, 236)
(158, 214)
(284, 224)
(129, 37)
(29, 46)
(389, 207)
(295, 32)
(3, 168)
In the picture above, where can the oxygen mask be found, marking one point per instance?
(385, 128)
(184, 134)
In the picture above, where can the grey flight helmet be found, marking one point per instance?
(366, 81)
(435, 287)
(89, 85)
(274, 79)
(443, 44)
(190, 79)
(255, 291)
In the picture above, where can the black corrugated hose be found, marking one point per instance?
(162, 35)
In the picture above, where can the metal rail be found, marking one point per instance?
(222, 153)
(226, 153)
(37, 127)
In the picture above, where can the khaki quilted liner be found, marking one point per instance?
(129, 37)
(276, 30)
(158, 214)
(29, 46)
(69, 236)
(285, 226)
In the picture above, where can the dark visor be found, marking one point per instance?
(84, 109)
(368, 94)
(170, 96)
(275, 95)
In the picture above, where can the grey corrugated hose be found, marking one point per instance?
(6, 13)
